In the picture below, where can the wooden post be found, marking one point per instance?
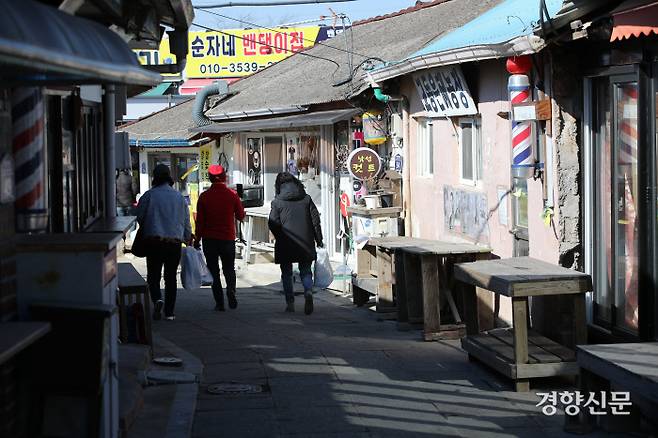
(413, 284)
(520, 319)
(431, 299)
(579, 320)
(401, 289)
(384, 281)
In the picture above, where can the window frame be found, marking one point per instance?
(425, 147)
(476, 151)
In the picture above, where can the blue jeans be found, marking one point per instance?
(286, 279)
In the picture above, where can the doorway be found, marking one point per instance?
(619, 243)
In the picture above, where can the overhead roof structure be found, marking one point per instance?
(504, 30)
(170, 124)
(303, 120)
(39, 43)
(301, 80)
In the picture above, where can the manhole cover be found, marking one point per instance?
(168, 361)
(234, 389)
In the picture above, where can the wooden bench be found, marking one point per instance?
(412, 279)
(631, 367)
(134, 299)
(518, 353)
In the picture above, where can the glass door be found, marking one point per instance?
(617, 239)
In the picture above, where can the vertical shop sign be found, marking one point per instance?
(204, 161)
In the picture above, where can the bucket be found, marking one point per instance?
(372, 201)
(387, 199)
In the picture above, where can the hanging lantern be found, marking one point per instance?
(374, 128)
(523, 159)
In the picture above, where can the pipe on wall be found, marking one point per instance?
(109, 111)
(199, 118)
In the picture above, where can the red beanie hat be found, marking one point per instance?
(217, 173)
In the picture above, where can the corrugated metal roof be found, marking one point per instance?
(510, 19)
(301, 80)
(39, 39)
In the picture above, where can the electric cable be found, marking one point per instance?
(319, 43)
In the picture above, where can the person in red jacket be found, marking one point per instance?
(217, 209)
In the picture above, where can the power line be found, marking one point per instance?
(275, 30)
(269, 45)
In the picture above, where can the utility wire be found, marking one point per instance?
(269, 45)
(319, 43)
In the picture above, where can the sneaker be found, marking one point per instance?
(220, 308)
(308, 304)
(232, 301)
(170, 318)
(290, 307)
(157, 311)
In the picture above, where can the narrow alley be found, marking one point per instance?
(337, 373)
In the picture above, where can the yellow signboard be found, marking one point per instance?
(234, 53)
(205, 153)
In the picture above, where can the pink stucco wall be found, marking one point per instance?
(427, 209)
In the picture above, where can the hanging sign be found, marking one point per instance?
(364, 164)
(205, 153)
(443, 92)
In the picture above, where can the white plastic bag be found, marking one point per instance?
(192, 268)
(324, 274)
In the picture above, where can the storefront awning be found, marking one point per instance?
(634, 19)
(40, 44)
(303, 120)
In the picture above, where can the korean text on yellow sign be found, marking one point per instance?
(236, 52)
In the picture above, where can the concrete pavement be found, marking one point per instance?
(338, 372)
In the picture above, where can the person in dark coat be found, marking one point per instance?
(295, 222)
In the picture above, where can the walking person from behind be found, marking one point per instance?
(217, 210)
(295, 222)
(164, 217)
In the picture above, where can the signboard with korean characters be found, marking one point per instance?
(443, 92)
(364, 164)
(238, 52)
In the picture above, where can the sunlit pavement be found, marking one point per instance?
(338, 372)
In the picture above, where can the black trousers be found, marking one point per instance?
(214, 250)
(161, 254)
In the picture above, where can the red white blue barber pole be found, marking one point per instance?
(27, 113)
(518, 86)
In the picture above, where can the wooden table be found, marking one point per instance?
(518, 353)
(251, 213)
(414, 278)
(17, 336)
(118, 224)
(134, 292)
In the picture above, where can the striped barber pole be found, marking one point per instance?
(523, 159)
(628, 125)
(27, 113)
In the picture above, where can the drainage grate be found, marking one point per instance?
(235, 389)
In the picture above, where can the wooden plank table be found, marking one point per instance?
(133, 290)
(414, 279)
(519, 353)
(17, 336)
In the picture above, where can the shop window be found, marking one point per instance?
(470, 151)
(425, 149)
(89, 160)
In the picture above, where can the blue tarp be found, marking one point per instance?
(504, 22)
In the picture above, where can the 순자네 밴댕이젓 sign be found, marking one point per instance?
(443, 92)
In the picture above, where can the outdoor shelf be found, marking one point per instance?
(17, 336)
(545, 357)
(119, 224)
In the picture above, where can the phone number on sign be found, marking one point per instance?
(234, 67)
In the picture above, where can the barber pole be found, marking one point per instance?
(518, 86)
(523, 160)
(27, 113)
